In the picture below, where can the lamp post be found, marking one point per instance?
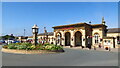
(35, 32)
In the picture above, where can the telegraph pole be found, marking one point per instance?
(24, 32)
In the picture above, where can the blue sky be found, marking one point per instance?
(18, 16)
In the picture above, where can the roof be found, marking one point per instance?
(35, 26)
(108, 37)
(23, 37)
(113, 30)
(97, 25)
(41, 34)
(30, 37)
(93, 25)
(69, 25)
(49, 34)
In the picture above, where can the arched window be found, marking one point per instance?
(58, 38)
(96, 36)
(52, 38)
(49, 39)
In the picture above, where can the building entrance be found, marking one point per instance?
(67, 39)
(78, 39)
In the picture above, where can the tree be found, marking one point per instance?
(6, 37)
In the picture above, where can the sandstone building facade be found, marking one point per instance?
(83, 34)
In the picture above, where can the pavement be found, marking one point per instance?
(71, 57)
(97, 49)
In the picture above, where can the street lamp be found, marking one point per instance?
(35, 32)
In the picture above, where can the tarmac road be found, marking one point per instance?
(72, 57)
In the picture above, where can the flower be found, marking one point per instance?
(33, 46)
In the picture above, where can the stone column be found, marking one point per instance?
(116, 42)
(93, 40)
(83, 38)
(72, 38)
(54, 38)
(63, 36)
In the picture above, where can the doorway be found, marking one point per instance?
(78, 39)
(67, 39)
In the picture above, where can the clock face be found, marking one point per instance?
(33, 30)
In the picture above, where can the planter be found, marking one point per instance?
(106, 48)
(28, 51)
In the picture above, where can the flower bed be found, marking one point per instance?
(28, 48)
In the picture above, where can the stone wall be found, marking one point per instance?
(115, 36)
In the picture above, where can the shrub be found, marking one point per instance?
(39, 44)
(11, 44)
(31, 47)
(46, 44)
(53, 47)
(17, 43)
(5, 46)
(28, 46)
(21, 47)
(48, 47)
(12, 47)
(39, 47)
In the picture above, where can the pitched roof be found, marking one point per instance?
(69, 25)
(93, 25)
(49, 34)
(113, 30)
(30, 37)
(108, 37)
(97, 25)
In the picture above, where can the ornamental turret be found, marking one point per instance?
(103, 22)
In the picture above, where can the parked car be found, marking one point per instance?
(2, 41)
(16, 42)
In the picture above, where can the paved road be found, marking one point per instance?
(72, 57)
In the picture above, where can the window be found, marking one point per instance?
(52, 38)
(100, 40)
(108, 41)
(58, 38)
(96, 38)
(105, 41)
(49, 39)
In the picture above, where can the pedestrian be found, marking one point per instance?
(89, 46)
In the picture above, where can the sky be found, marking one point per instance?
(17, 16)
